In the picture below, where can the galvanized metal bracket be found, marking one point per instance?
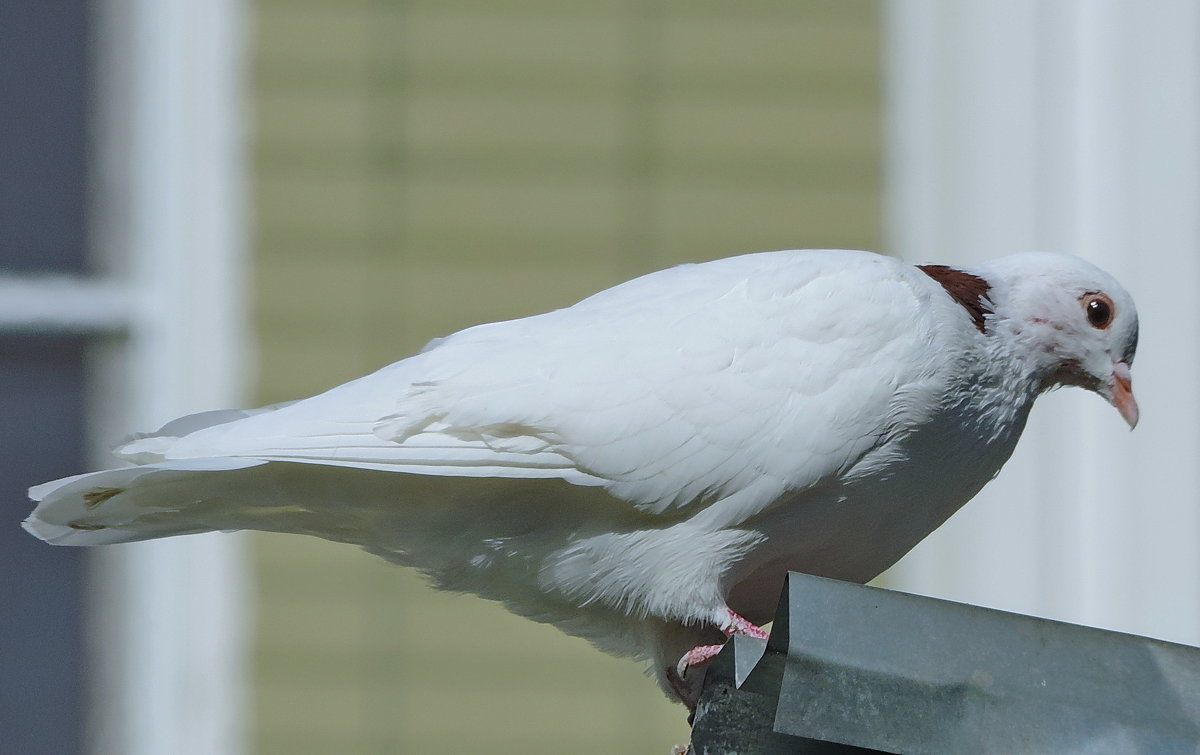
(851, 668)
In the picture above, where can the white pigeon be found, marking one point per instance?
(642, 468)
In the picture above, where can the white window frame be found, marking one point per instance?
(167, 620)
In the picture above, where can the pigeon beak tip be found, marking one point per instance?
(1120, 390)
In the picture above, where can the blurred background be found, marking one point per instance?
(248, 201)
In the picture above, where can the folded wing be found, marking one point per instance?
(754, 375)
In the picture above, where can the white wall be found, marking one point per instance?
(1074, 126)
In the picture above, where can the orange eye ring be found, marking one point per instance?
(1099, 309)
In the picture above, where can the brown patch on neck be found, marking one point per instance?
(970, 291)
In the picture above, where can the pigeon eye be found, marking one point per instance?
(1099, 309)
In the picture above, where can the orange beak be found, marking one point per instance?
(1121, 394)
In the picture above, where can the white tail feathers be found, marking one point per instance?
(390, 513)
(486, 535)
(124, 505)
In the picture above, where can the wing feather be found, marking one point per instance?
(764, 372)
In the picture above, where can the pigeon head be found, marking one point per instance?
(1071, 323)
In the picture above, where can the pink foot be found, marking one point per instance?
(702, 654)
(696, 656)
(737, 625)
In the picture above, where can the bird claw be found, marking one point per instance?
(735, 624)
(696, 656)
(701, 654)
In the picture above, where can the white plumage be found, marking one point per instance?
(637, 466)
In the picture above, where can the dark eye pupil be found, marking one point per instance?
(1098, 313)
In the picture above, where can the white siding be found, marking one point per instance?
(1070, 126)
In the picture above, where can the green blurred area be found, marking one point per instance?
(426, 165)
